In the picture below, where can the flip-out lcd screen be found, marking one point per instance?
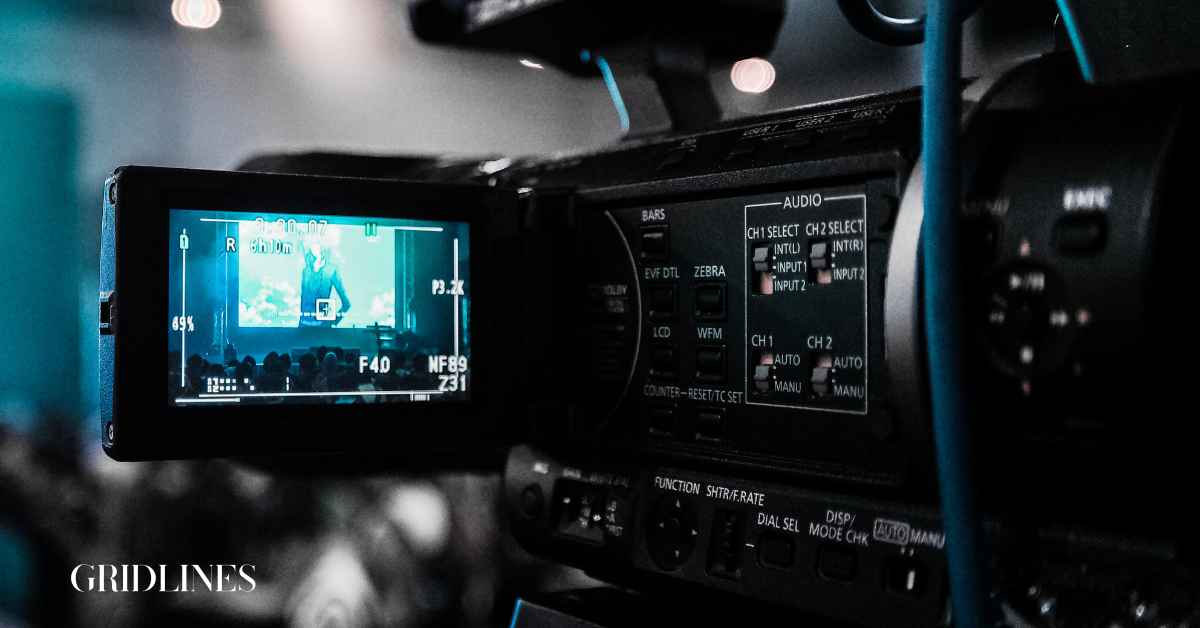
(307, 309)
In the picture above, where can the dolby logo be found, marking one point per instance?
(144, 578)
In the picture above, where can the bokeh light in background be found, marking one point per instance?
(753, 76)
(196, 13)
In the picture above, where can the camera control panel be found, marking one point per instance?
(748, 320)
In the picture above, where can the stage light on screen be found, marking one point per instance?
(753, 76)
(196, 13)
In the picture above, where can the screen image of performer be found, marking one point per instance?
(320, 279)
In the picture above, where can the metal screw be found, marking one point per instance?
(110, 431)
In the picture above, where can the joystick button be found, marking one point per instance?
(671, 531)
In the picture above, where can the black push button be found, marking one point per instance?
(905, 576)
(743, 147)
(775, 550)
(1080, 235)
(710, 301)
(836, 563)
(674, 157)
(656, 246)
(710, 364)
(662, 361)
(710, 424)
(858, 130)
(796, 140)
(663, 303)
(660, 418)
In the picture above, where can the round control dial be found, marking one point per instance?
(1028, 326)
(671, 532)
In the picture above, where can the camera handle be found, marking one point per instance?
(866, 19)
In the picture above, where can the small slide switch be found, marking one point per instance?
(578, 511)
(821, 374)
(764, 372)
(763, 258)
(819, 262)
(818, 254)
(820, 381)
(728, 540)
(764, 268)
(905, 576)
(764, 377)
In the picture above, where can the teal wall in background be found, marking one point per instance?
(39, 287)
(16, 574)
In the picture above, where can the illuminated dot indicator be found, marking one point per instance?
(196, 13)
(753, 76)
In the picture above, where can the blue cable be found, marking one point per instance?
(1085, 68)
(941, 113)
(516, 612)
(612, 88)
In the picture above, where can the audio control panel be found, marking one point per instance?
(766, 306)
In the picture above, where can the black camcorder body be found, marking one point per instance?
(702, 355)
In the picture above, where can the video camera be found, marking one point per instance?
(700, 355)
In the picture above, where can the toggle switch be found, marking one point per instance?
(763, 260)
(819, 262)
(818, 253)
(764, 268)
(821, 374)
(764, 372)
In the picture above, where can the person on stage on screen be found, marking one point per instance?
(321, 278)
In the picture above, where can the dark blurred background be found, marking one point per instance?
(90, 85)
